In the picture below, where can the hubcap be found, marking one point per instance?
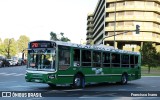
(124, 79)
(77, 81)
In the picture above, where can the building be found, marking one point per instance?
(103, 23)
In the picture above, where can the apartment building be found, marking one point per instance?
(121, 16)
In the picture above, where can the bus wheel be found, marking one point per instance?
(52, 85)
(79, 81)
(124, 79)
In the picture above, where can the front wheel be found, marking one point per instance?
(79, 81)
(52, 85)
(124, 79)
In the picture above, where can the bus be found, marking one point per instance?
(63, 63)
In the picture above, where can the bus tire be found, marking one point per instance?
(78, 81)
(52, 85)
(124, 79)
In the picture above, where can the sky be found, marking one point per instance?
(37, 18)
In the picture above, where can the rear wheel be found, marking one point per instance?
(124, 79)
(79, 81)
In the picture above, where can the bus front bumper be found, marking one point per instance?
(40, 78)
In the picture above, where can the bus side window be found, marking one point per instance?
(125, 60)
(132, 61)
(136, 60)
(76, 57)
(106, 59)
(86, 58)
(115, 60)
(96, 59)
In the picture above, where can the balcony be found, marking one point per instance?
(89, 37)
(134, 18)
(134, 38)
(132, 28)
(89, 31)
(135, 8)
(90, 19)
(125, 0)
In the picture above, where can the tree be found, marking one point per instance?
(0, 41)
(23, 44)
(55, 38)
(9, 47)
(148, 53)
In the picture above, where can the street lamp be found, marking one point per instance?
(115, 23)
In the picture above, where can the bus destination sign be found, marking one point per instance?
(41, 45)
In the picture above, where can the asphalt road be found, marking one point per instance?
(12, 80)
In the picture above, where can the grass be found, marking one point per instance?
(153, 72)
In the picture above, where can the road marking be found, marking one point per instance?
(7, 82)
(153, 86)
(11, 74)
(19, 86)
(122, 89)
(99, 95)
(19, 75)
(2, 73)
(73, 90)
(150, 76)
(139, 87)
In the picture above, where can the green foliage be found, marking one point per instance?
(23, 43)
(9, 47)
(149, 55)
(55, 38)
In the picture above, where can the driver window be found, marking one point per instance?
(64, 56)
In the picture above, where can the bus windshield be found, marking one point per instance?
(41, 59)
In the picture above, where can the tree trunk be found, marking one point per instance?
(149, 69)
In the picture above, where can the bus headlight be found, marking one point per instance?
(51, 76)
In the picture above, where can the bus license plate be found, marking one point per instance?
(36, 80)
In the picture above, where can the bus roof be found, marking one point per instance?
(93, 47)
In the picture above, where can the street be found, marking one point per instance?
(12, 79)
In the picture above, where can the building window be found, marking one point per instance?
(111, 4)
(111, 24)
(111, 14)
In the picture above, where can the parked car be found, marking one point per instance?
(4, 63)
(21, 61)
(15, 60)
(10, 62)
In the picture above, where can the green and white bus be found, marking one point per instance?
(63, 63)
